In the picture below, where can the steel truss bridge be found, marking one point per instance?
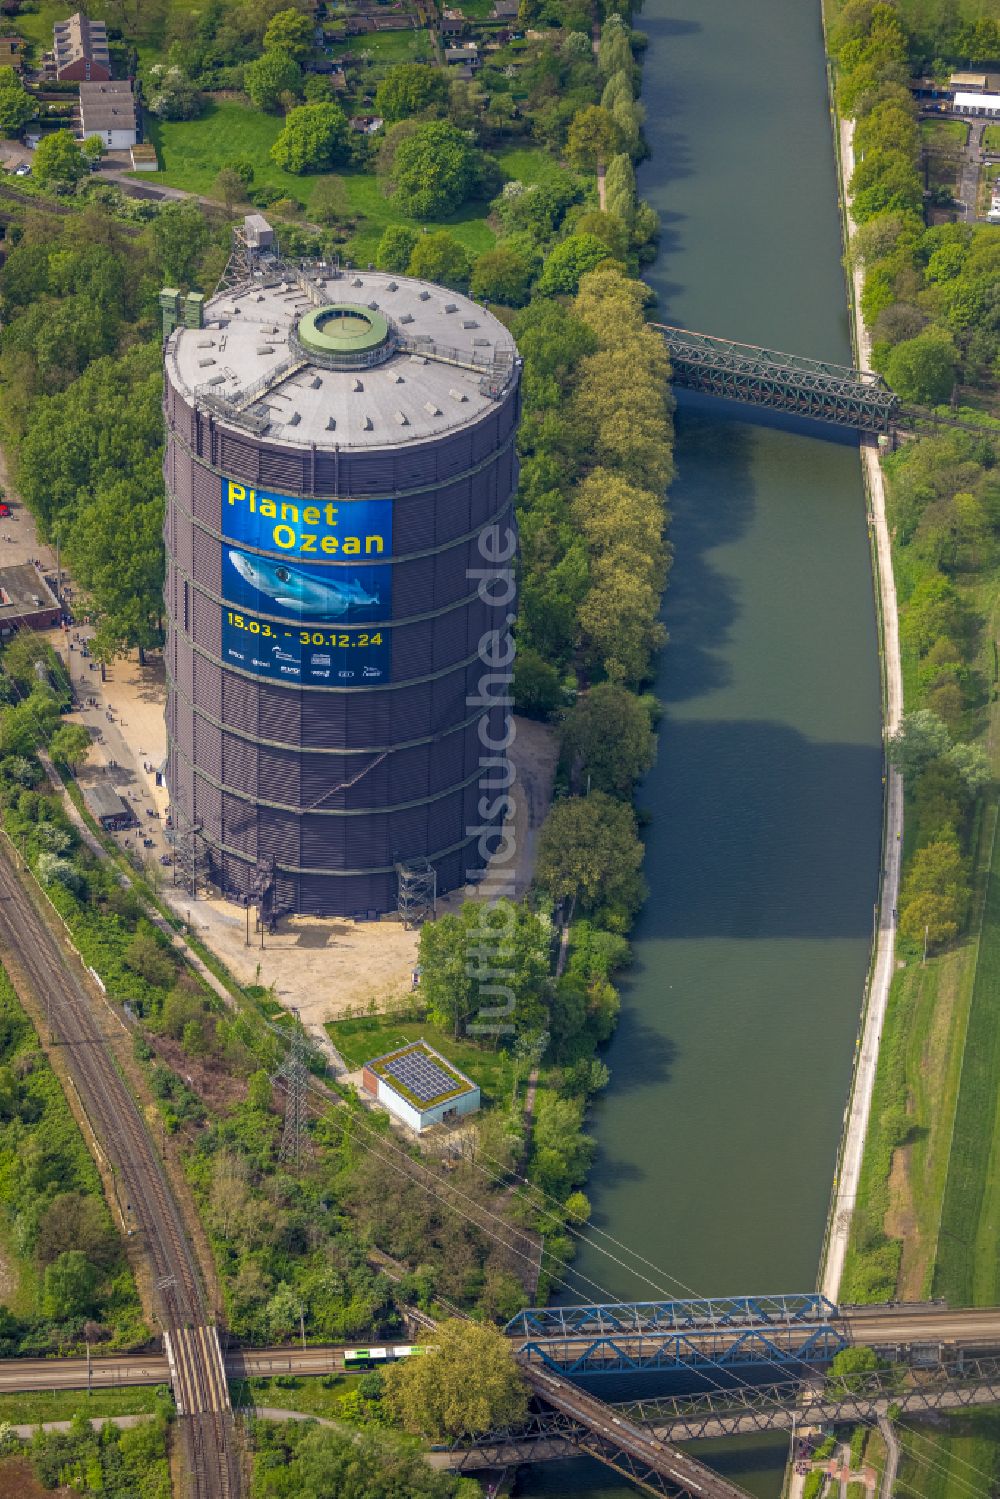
(785, 382)
(730, 1333)
(834, 393)
(549, 1435)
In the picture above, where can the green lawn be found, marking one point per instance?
(991, 137)
(968, 1269)
(192, 152)
(951, 1460)
(386, 47)
(529, 164)
(316, 1397)
(360, 1040)
(63, 1405)
(945, 134)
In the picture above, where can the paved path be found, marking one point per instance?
(859, 1108)
(892, 1457)
(968, 182)
(26, 1432)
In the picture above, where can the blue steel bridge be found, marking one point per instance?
(787, 1334)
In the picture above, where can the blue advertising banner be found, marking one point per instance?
(302, 591)
(322, 658)
(330, 529)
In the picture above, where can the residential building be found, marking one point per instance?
(108, 110)
(452, 23)
(467, 54)
(80, 50)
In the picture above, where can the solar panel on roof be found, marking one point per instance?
(424, 1078)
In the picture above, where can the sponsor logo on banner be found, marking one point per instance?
(288, 653)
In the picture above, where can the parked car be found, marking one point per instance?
(4, 508)
(23, 170)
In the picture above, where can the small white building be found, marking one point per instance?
(976, 104)
(418, 1086)
(108, 110)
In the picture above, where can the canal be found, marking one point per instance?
(730, 1067)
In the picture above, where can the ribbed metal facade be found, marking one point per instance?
(338, 784)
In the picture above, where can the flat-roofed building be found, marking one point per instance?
(26, 600)
(977, 104)
(418, 1086)
(80, 50)
(106, 806)
(970, 82)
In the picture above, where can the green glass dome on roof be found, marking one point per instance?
(343, 331)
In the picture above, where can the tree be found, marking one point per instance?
(173, 95)
(486, 967)
(146, 956)
(468, 1382)
(537, 684)
(93, 150)
(562, 1152)
(848, 1368)
(408, 88)
(291, 32)
(314, 137)
(230, 187)
(180, 236)
(330, 203)
(395, 248)
(595, 136)
(923, 368)
(58, 159)
(17, 106)
(615, 51)
(607, 739)
(70, 744)
(920, 738)
(935, 894)
(617, 88)
(317, 1463)
(972, 765)
(502, 275)
(434, 171)
(589, 854)
(272, 75)
(620, 190)
(570, 260)
(73, 1221)
(69, 1286)
(439, 257)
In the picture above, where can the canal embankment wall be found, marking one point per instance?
(858, 1111)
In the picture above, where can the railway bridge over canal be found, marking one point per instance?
(825, 392)
(760, 1362)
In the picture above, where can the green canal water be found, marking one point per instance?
(730, 1067)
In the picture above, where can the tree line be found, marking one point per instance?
(930, 295)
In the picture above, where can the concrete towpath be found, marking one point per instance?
(859, 1107)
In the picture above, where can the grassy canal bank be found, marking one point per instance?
(928, 1196)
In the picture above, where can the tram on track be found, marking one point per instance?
(369, 1358)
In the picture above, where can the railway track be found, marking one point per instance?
(190, 1337)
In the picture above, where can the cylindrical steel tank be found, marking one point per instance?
(340, 472)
